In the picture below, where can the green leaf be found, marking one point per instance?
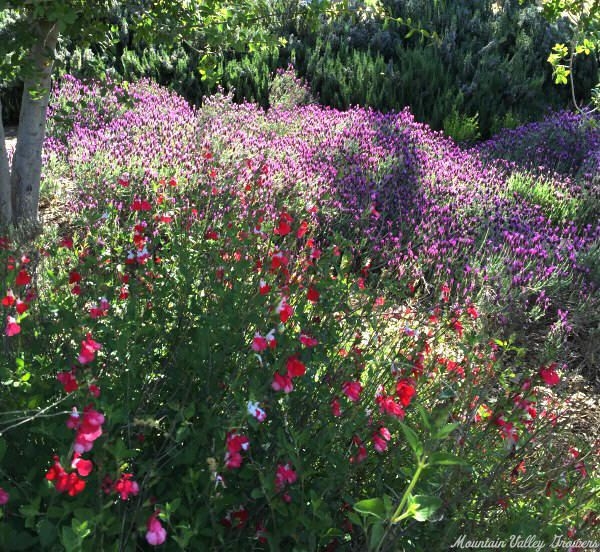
(426, 506)
(371, 507)
(445, 430)
(445, 459)
(424, 416)
(70, 540)
(2, 448)
(377, 535)
(412, 439)
(47, 532)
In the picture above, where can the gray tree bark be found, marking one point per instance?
(27, 160)
(5, 193)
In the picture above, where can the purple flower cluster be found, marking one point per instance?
(412, 199)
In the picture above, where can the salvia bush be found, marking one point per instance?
(275, 331)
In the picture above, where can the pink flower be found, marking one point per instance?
(335, 407)
(156, 533)
(282, 383)
(308, 341)
(259, 343)
(88, 426)
(380, 439)
(88, 350)
(352, 390)
(12, 328)
(4, 496)
(285, 476)
(100, 310)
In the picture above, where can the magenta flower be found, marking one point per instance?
(156, 533)
(352, 390)
(88, 350)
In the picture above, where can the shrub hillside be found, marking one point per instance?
(300, 329)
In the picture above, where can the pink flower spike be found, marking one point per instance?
(4, 497)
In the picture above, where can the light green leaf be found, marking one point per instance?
(371, 507)
(426, 506)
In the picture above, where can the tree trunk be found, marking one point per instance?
(27, 159)
(5, 194)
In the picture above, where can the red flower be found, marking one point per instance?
(84, 467)
(23, 278)
(259, 343)
(361, 454)
(312, 295)
(66, 242)
(140, 205)
(302, 229)
(235, 443)
(126, 486)
(70, 483)
(389, 406)
(283, 228)
(549, 374)
(68, 381)
(263, 287)
(405, 391)
(284, 310)
(9, 299)
(295, 367)
(472, 311)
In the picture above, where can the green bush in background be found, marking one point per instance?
(476, 66)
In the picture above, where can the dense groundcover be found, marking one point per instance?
(299, 329)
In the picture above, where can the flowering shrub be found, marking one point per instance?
(270, 331)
